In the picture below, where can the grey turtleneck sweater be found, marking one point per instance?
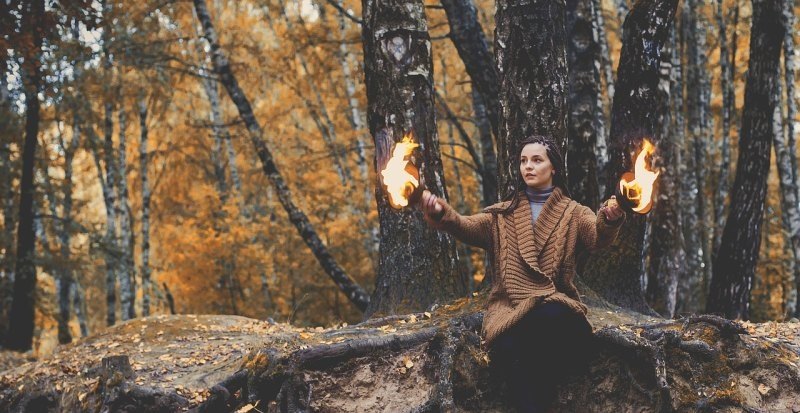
(537, 198)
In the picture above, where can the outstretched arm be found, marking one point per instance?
(599, 231)
(474, 230)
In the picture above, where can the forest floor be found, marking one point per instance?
(174, 362)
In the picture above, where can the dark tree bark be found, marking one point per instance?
(583, 55)
(223, 69)
(470, 41)
(734, 264)
(20, 331)
(418, 265)
(666, 255)
(530, 53)
(8, 124)
(638, 112)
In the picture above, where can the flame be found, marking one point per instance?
(400, 177)
(637, 187)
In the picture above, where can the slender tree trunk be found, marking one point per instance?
(418, 265)
(8, 123)
(608, 75)
(223, 69)
(790, 214)
(144, 162)
(727, 65)
(470, 42)
(464, 252)
(694, 283)
(220, 131)
(530, 53)
(127, 283)
(734, 266)
(65, 281)
(603, 99)
(789, 60)
(20, 331)
(79, 304)
(109, 181)
(699, 125)
(488, 173)
(667, 258)
(109, 239)
(371, 239)
(584, 92)
(638, 112)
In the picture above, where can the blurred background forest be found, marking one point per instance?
(149, 196)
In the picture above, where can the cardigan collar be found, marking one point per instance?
(532, 236)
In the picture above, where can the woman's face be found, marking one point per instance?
(535, 166)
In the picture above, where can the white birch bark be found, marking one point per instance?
(127, 283)
(146, 196)
(790, 213)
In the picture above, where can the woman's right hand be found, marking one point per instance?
(430, 206)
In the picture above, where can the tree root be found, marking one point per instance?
(650, 343)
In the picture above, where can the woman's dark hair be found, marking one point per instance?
(553, 153)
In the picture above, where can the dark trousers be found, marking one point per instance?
(539, 352)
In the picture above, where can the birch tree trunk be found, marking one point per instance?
(355, 118)
(109, 239)
(790, 215)
(67, 277)
(734, 265)
(530, 53)
(144, 162)
(223, 69)
(418, 265)
(583, 56)
(20, 330)
(789, 60)
(638, 112)
(608, 73)
(699, 126)
(127, 284)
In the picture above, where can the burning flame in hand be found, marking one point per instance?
(637, 187)
(400, 177)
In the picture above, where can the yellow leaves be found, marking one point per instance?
(404, 365)
(249, 407)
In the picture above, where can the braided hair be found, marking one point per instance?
(556, 159)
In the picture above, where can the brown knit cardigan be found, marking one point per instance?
(534, 262)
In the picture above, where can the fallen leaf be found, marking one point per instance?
(763, 389)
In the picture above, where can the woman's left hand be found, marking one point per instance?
(612, 210)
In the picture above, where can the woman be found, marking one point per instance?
(535, 324)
